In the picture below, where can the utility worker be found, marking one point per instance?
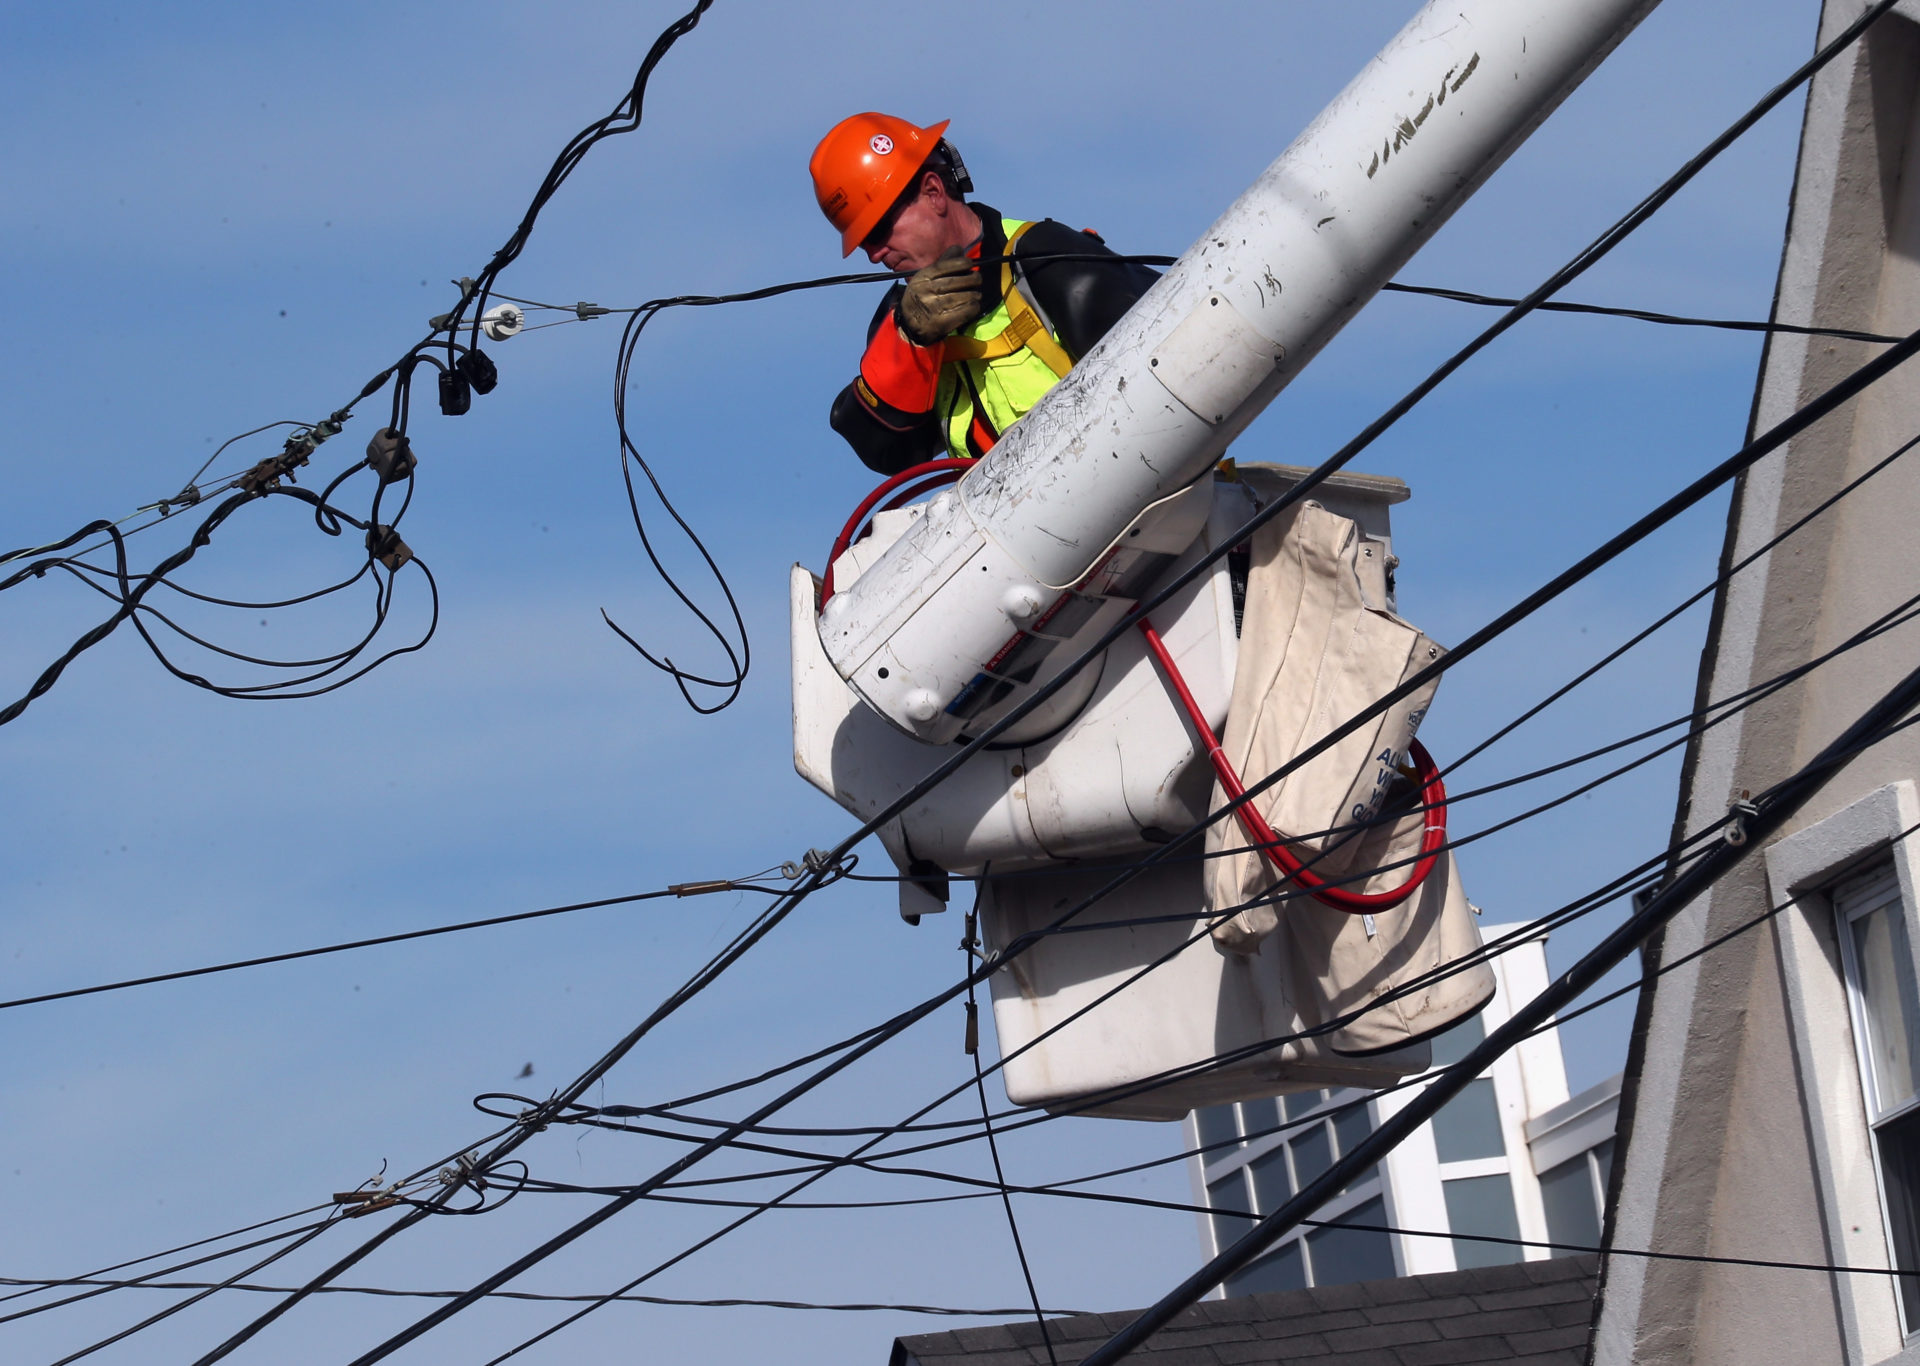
(955, 355)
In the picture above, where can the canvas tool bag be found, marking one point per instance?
(1319, 645)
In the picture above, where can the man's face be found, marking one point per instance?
(918, 234)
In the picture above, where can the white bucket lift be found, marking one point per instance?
(1118, 778)
(950, 613)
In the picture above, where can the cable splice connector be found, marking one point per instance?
(367, 1201)
(385, 545)
(478, 370)
(584, 310)
(390, 455)
(456, 394)
(702, 888)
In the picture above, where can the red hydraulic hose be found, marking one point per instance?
(943, 472)
(1433, 793)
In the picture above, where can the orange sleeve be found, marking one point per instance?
(898, 376)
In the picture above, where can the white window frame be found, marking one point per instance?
(1804, 868)
(1214, 1168)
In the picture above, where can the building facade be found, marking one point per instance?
(1770, 1109)
(1511, 1157)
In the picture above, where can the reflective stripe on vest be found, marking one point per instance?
(1009, 357)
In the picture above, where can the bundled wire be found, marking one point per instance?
(464, 371)
(383, 555)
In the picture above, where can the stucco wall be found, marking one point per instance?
(1718, 1155)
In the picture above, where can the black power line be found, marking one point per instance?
(1641, 314)
(679, 890)
(291, 1247)
(177, 1267)
(547, 1298)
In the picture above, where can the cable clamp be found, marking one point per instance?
(813, 861)
(584, 310)
(464, 1171)
(266, 475)
(1738, 815)
(186, 498)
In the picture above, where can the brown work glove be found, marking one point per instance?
(940, 300)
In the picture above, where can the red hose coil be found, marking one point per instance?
(942, 472)
(1433, 793)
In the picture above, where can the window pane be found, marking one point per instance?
(1259, 1116)
(1216, 1125)
(1482, 1205)
(1301, 1102)
(1229, 1193)
(1453, 1044)
(1468, 1126)
(1349, 1127)
(1887, 990)
(1340, 1255)
(1282, 1270)
(1271, 1185)
(1572, 1217)
(1312, 1153)
(1899, 1144)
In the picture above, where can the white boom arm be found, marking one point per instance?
(1155, 404)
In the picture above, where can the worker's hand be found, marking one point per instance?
(940, 300)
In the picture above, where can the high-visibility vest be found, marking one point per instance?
(998, 366)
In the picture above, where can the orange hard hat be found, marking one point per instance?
(863, 165)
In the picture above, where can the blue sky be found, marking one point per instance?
(219, 215)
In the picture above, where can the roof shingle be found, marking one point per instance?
(1529, 1313)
